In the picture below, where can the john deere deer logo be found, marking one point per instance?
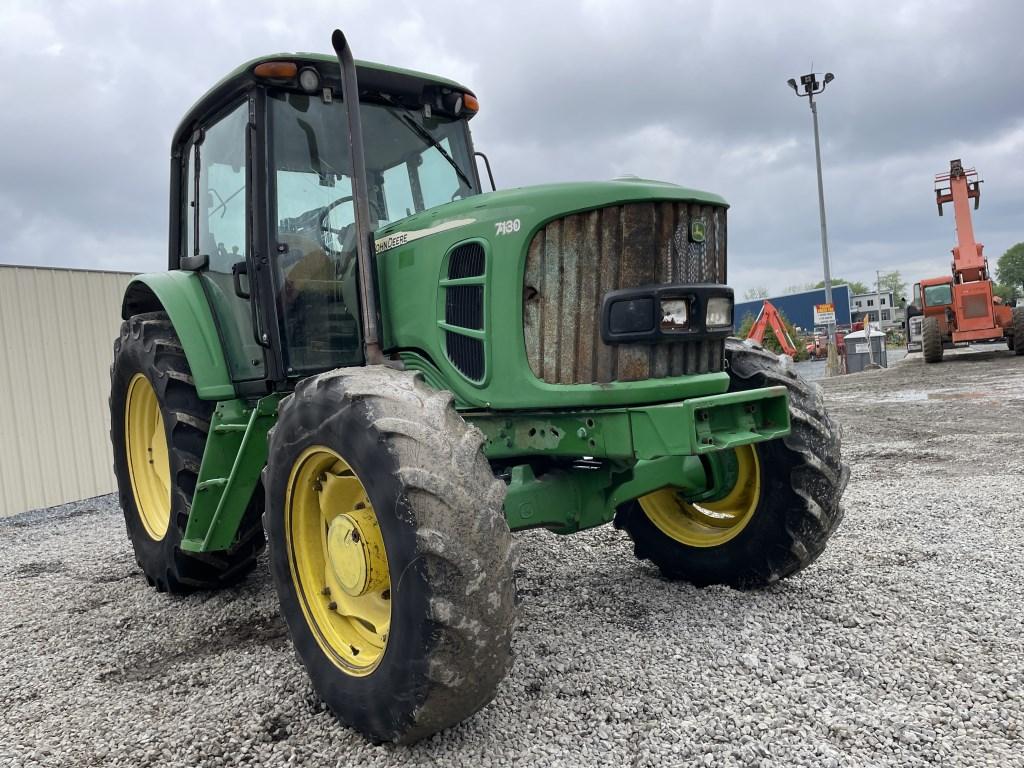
(698, 229)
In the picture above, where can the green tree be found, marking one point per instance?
(770, 342)
(893, 281)
(855, 286)
(1010, 267)
(1005, 292)
(757, 292)
(799, 288)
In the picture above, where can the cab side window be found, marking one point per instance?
(222, 192)
(215, 224)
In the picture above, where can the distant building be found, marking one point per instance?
(878, 308)
(799, 307)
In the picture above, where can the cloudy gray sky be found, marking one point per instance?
(689, 92)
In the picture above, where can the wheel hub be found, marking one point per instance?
(710, 523)
(355, 552)
(338, 560)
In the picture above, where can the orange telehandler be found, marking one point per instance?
(966, 310)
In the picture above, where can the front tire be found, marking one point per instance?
(931, 340)
(779, 514)
(158, 429)
(389, 551)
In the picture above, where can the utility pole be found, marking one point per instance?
(867, 323)
(811, 86)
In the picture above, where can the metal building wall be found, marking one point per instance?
(799, 307)
(57, 328)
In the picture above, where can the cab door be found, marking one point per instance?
(216, 216)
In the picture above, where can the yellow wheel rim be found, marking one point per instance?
(714, 522)
(148, 466)
(339, 565)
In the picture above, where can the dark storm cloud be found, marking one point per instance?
(689, 92)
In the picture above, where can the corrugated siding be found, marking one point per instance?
(57, 328)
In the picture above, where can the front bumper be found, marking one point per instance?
(645, 448)
(690, 427)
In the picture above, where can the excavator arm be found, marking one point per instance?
(769, 317)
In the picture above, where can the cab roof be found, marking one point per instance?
(406, 84)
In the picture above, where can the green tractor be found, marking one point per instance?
(361, 358)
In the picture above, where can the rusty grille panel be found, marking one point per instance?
(976, 305)
(574, 261)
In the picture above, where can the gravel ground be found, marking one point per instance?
(903, 645)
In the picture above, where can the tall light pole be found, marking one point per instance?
(811, 87)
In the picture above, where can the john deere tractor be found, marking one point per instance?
(363, 359)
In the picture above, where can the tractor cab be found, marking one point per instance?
(932, 296)
(263, 204)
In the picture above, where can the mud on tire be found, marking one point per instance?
(802, 481)
(449, 549)
(149, 346)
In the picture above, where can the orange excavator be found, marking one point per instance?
(769, 317)
(969, 314)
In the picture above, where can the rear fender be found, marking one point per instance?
(180, 294)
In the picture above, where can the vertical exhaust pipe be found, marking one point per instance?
(360, 198)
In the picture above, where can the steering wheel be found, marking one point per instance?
(325, 212)
(326, 230)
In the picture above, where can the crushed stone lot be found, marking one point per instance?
(903, 645)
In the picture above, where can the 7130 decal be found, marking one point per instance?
(506, 227)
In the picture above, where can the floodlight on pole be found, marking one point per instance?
(811, 86)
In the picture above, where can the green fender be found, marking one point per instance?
(180, 294)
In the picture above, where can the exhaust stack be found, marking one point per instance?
(360, 193)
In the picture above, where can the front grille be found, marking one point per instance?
(976, 305)
(574, 261)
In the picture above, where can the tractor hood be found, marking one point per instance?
(533, 206)
(500, 297)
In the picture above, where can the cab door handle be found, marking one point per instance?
(237, 270)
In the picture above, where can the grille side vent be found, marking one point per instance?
(464, 306)
(466, 354)
(466, 261)
(464, 309)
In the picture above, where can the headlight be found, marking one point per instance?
(719, 312)
(674, 315)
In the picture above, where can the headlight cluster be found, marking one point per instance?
(652, 313)
(675, 314)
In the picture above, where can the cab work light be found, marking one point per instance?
(276, 70)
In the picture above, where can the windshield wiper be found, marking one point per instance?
(424, 134)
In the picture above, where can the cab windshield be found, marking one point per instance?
(413, 162)
(934, 295)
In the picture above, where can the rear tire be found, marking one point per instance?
(801, 479)
(931, 340)
(440, 617)
(1017, 341)
(148, 358)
